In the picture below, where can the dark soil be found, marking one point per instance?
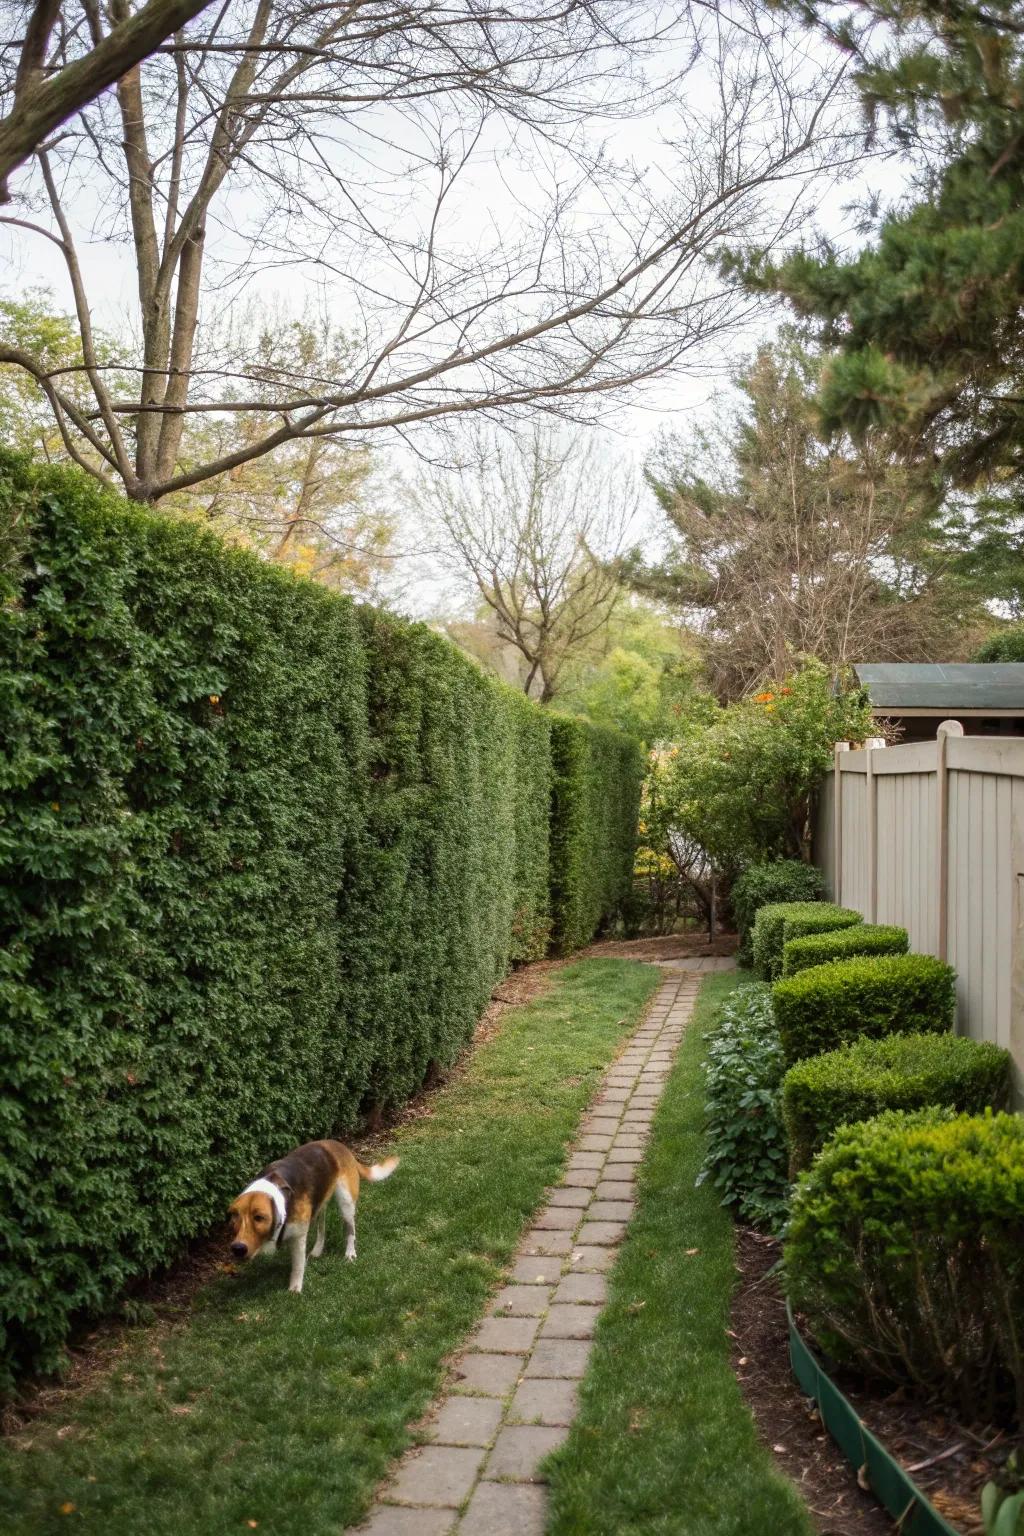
(949, 1463)
(671, 946)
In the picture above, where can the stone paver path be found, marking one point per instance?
(513, 1391)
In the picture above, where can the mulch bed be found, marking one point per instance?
(672, 946)
(949, 1463)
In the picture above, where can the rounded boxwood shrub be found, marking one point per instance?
(840, 944)
(905, 1252)
(762, 884)
(872, 995)
(897, 1072)
(746, 1144)
(783, 920)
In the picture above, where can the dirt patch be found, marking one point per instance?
(949, 1463)
(164, 1301)
(672, 946)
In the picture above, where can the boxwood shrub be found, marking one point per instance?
(746, 1144)
(871, 995)
(783, 920)
(839, 944)
(763, 884)
(905, 1252)
(823, 1092)
(263, 856)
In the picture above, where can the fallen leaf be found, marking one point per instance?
(691, 1251)
(67, 1509)
(743, 1360)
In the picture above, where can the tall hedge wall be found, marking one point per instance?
(263, 856)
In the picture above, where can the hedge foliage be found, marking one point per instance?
(867, 997)
(841, 944)
(784, 920)
(263, 857)
(897, 1072)
(762, 884)
(746, 1144)
(597, 776)
(906, 1252)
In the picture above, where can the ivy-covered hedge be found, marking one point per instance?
(263, 856)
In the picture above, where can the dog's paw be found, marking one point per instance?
(350, 1258)
(296, 1290)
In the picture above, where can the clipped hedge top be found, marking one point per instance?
(896, 1064)
(781, 920)
(809, 949)
(959, 1172)
(875, 971)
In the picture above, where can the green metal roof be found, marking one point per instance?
(944, 685)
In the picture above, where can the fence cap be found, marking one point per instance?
(950, 728)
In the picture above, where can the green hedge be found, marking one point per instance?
(761, 885)
(263, 857)
(784, 920)
(831, 1005)
(823, 1092)
(597, 774)
(842, 944)
(905, 1251)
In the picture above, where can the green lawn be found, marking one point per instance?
(664, 1444)
(286, 1410)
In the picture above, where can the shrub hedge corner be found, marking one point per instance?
(864, 1079)
(830, 1005)
(841, 944)
(783, 920)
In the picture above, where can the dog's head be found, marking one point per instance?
(252, 1221)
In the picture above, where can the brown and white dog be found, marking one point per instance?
(289, 1195)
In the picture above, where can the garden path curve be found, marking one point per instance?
(513, 1391)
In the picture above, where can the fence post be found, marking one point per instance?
(871, 745)
(947, 729)
(837, 822)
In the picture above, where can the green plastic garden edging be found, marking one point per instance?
(883, 1475)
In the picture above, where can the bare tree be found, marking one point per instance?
(531, 523)
(63, 60)
(343, 143)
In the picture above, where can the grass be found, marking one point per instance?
(286, 1411)
(664, 1444)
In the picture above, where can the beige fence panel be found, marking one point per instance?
(931, 836)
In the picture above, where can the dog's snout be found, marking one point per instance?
(239, 1250)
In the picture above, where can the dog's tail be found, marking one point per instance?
(379, 1171)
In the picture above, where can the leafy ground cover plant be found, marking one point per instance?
(860, 1080)
(869, 996)
(905, 1250)
(745, 1159)
(783, 920)
(841, 944)
(762, 884)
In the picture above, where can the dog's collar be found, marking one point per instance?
(276, 1193)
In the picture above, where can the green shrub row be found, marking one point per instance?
(830, 1005)
(263, 856)
(763, 884)
(906, 1253)
(781, 921)
(842, 944)
(868, 1077)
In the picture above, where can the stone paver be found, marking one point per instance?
(514, 1391)
(520, 1449)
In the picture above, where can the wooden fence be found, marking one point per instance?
(930, 835)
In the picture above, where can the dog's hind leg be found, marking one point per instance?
(347, 1207)
(321, 1233)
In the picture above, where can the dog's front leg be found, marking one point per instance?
(298, 1242)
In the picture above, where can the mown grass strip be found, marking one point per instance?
(664, 1444)
(284, 1410)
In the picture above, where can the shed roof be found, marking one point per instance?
(944, 685)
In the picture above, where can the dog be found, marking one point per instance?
(291, 1193)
